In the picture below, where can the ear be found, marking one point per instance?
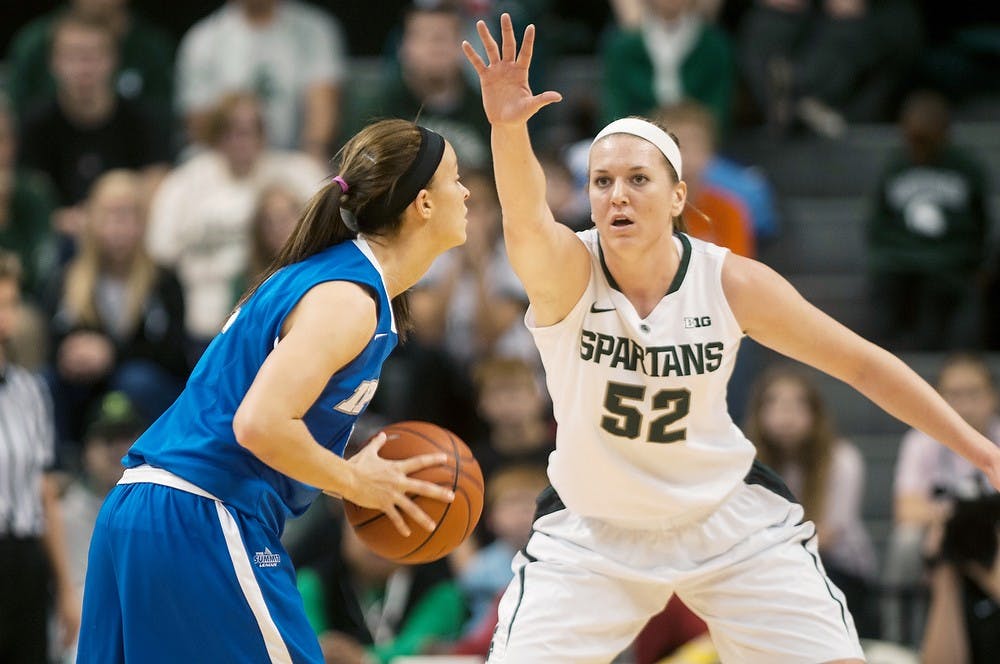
(423, 205)
(678, 199)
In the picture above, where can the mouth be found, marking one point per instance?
(621, 222)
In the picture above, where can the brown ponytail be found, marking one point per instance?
(371, 163)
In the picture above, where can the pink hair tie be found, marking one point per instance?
(343, 184)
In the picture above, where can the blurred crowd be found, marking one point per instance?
(149, 173)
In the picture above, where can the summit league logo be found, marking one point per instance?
(266, 559)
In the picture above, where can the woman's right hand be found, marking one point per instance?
(385, 485)
(507, 97)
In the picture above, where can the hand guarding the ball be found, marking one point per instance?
(385, 485)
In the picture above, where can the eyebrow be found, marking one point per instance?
(631, 168)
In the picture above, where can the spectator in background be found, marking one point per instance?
(112, 430)
(566, 199)
(114, 425)
(290, 54)
(26, 204)
(32, 544)
(118, 318)
(787, 421)
(963, 626)
(661, 53)
(480, 301)
(510, 505)
(369, 610)
(421, 380)
(428, 82)
(509, 514)
(273, 220)
(927, 236)
(928, 480)
(88, 128)
(144, 64)
(724, 219)
(514, 408)
(827, 62)
(200, 216)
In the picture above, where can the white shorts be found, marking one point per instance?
(583, 589)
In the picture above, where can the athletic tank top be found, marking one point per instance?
(194, 438)
(644, 438)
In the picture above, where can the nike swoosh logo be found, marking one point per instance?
(595, 310)
(379, 336)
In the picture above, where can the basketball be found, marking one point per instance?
(455, 521)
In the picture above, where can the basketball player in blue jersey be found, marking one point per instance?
(654, 490)
(186, 564)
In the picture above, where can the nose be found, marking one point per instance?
(465, 197)
(618, 195)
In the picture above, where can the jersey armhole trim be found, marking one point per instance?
(368, 288)
(718, 278)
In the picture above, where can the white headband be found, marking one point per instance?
(649, 132)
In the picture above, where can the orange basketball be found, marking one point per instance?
(455, 521)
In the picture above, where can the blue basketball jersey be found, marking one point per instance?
(194, 438)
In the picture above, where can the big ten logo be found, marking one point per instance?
(697, 321)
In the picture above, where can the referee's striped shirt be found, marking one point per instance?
(27, 450)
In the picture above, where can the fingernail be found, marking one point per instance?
(451, 495)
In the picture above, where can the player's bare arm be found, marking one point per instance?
(327, 329)
(772, 312)
(549, 259)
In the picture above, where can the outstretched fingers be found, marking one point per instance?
(422, 461)
(507, 39)
(527, 46)
(492, 50)
(473, 57)
(430, 490)
(398, 521)
(418, 515)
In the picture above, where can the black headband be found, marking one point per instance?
(417, 175)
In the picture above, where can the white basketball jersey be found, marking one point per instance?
(644, 436)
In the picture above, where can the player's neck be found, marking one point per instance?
(644, 276)
(401, 269)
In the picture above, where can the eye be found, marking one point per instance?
(639, 178)
(602, 181)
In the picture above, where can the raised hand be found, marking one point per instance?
(507, 97)
(386, 485)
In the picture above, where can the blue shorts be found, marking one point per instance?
(178, 577)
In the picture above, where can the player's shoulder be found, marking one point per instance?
(698, 246)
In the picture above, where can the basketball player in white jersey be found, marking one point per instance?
(654, 489)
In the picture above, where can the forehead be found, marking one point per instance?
(426, 23)
(76, 34)
(625, 151)
(964, 373)
(449, 160)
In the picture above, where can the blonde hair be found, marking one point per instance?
(83, 273)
